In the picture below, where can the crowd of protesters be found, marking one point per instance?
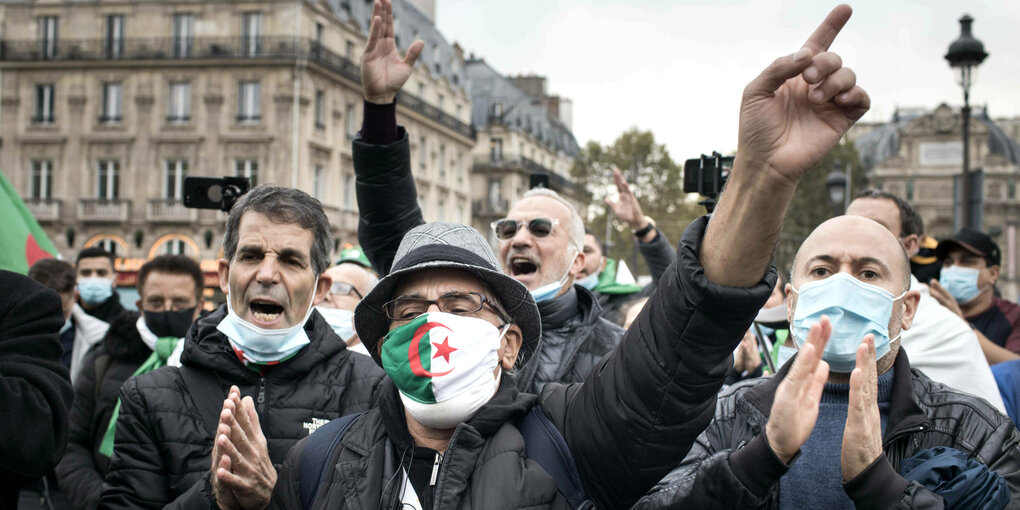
(433, 370)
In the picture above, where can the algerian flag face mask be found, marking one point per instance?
(444, 366)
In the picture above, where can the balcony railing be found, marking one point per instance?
(169, 210)
(489, 209)
(44, 209)
(556, 181)
(210, 48)
(342, 219)
(103, 209)
(110, 119)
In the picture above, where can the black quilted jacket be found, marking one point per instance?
(163, 446)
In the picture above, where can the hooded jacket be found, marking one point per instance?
(118, 355)
(571, 343)
(163, 445)
(731, 465)
(667, 369)
(88, 331)
(35, 393)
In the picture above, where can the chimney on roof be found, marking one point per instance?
(534, 86)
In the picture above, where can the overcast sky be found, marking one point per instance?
(677, 68)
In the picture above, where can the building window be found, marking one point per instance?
(183, 32)
(350, 128)
(319, 30)
(108, 179)
(43, 104)
(320, 109)
(48, 37)
(436, 58)
(174, 173)
(442, 161)
(349, 192)
(114, 42)
(42, 179)
(248, 168)
(421, 91)
(318, 182)
(441, 210)
(251, 33)
(442, 102)
(349, 50)
(1011, 190)
(107, 244)
(175, 247)
(248, 104)
(179, 110)
(423, 157)
(496, 149)
(910, 190)
(112, 97)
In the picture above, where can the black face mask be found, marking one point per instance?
(173, 324)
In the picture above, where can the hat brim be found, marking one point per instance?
(944, 247)
(372, 324)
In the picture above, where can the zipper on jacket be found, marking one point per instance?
(435, 468)
(261, 399)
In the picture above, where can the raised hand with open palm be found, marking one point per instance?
(383, 71)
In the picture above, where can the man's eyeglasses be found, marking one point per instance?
(406, 308)
(539, 227)
(343, 289)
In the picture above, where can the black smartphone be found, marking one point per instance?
(214, 192)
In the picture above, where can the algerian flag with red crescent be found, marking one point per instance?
(439, 355)
(23, 241)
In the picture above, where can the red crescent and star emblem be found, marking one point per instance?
(442, 349)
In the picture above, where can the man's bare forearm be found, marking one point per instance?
(993, 353)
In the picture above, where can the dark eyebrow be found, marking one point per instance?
(829, 259)
(250, 250)
(293, 253)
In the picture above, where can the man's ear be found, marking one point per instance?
(912, 245)
(994, 273)
(791, 302)
(223, 269)
(910, 302)
(578, 265)
(602, 265)
(511, 347)
(322, 288)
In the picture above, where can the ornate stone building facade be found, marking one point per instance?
(106, 106)
(522, 131)
(917, 155)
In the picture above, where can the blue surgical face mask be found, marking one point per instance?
(785, 354)
(548, 292)
(961, 282)
(265, 345)
(855, 309)
(589, 282)
(342, 321)
(95, 290)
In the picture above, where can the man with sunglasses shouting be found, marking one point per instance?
(540, 241)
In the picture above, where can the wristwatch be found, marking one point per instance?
(648, 228)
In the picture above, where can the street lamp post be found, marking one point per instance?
(964, 55)
(837, 183)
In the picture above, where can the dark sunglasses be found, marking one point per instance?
(344, 289)
(539, 227)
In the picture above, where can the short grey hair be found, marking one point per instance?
(283, 205)
(576, 227)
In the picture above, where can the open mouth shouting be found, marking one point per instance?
(265, 312)
(523, 268)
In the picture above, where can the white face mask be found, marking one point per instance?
(266, 345)
(342, 321)
(444, 366)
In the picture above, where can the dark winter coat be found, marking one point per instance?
(117, 356)
(731, 465)
(163, 445)
(35, 389)
(389, 209)
(634, 416)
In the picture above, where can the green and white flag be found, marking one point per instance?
(23, 241)
(439, 356)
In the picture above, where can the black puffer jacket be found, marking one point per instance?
(163, 446)
(574, 338)
(731, 465)
(667, 369)
(118, 355)
(35, 392)
(572, 342)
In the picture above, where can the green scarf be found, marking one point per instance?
(164, 348)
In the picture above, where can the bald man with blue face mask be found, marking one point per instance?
(835, 426)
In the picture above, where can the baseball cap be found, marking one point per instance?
(973, 241)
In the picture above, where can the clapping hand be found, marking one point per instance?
(862, 436)
(243, 474)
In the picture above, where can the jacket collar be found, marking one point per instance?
(904, 413)
(207, 347)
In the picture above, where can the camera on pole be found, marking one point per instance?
(707, 176)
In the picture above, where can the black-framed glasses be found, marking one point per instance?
(344, 289)
(405, 308)
(539, 227)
